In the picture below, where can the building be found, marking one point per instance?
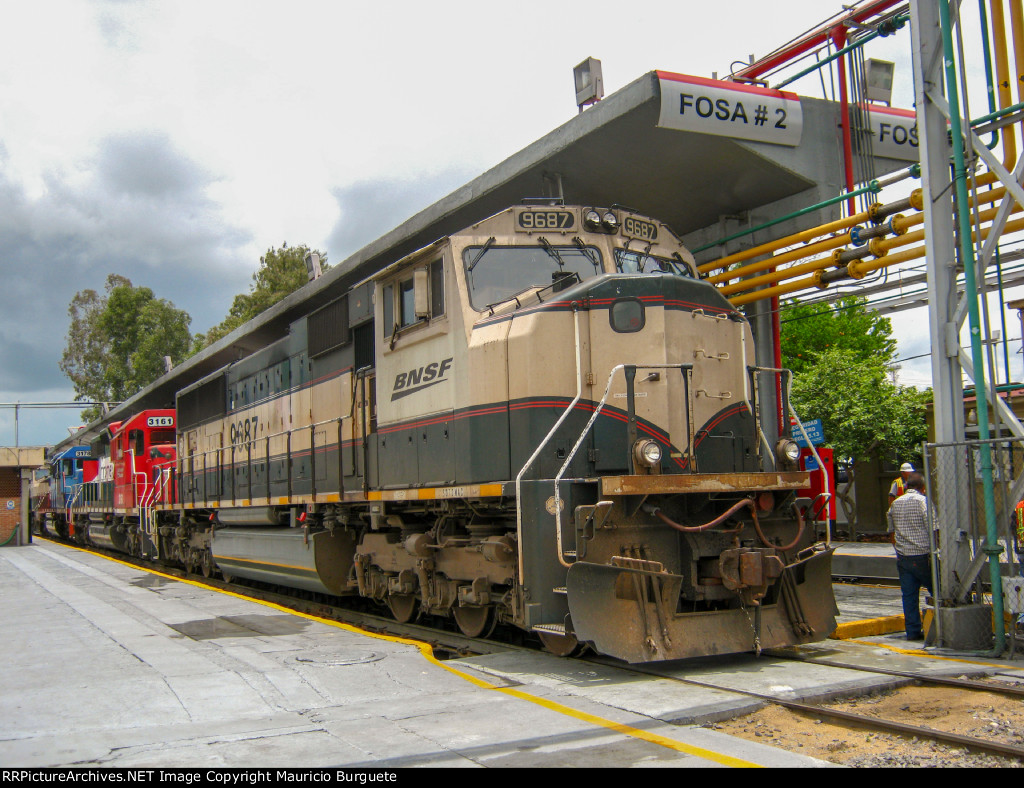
(16, 466)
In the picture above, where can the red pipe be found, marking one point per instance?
(813, 39)
(777, 346)
(839, 39)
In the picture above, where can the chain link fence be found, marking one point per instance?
(955, 479)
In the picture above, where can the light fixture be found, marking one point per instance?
(589, 82)
(647, 453)
(787, 450)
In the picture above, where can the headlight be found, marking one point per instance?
(592, 220)
(787, 450)
(610, 222)
(647, 453)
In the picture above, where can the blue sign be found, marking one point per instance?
(810, 464)
(815, 431)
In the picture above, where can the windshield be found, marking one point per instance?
(630, 261)
(496, 273)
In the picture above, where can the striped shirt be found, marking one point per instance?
(908, 519)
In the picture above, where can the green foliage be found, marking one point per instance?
(810, 329)
(862, 412)
(116, 343)
(281, 272)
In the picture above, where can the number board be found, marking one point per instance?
(532, 220)
(638, 228)
(160, 421)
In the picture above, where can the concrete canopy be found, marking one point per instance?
(704, 186)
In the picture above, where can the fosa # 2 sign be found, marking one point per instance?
(748, 112)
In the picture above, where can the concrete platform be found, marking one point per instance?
(867, 560)
(108, 665)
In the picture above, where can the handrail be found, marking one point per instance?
(248, 445)
(590, 423)
(544, 442)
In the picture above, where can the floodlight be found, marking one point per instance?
(589, 82)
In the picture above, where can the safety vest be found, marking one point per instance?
(900, 488)
(1020, 523)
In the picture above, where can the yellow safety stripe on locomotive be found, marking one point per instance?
(493, 490)
(427, 651)
(436, 493)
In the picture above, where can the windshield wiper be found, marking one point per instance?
(588, 252)
(551, 251)
(483, 250)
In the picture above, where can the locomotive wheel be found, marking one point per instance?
(403, 607)
(559, 645)
(206, 565)
(472, 621)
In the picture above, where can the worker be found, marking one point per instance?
(908, 522)
(900, 485)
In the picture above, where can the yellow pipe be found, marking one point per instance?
(789, 240)
(1017, 24)
(858, 269)
(999, 39)
(879, 247)
(777, 276)
(862, 268)
(788, 257)
(768, 292)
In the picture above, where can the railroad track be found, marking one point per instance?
(456, 644)
(971, 743)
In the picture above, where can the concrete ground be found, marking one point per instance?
(109, 665)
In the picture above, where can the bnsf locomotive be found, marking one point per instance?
(545, 420)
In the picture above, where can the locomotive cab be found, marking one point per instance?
(647, 514)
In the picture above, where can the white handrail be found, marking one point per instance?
(543, 443)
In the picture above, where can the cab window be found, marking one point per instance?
(138, 441)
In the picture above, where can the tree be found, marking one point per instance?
(116, 343)
(281, 272)
(810, 329)
(862, 413)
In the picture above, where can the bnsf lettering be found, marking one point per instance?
(416, 379)
(901, 135)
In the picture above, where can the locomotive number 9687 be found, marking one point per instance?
(546, 220)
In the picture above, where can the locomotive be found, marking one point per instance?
(545, 420)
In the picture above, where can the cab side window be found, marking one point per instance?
(415, 299)
(138, 441)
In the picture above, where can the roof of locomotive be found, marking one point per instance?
(135, 420)
(596, 155)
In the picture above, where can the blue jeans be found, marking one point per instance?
(915, 571)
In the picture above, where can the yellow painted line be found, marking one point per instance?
(333, 498)
(921, 653)
(427, 651)
(868, 627)
(282, 501)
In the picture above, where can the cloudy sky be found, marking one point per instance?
(174, 141)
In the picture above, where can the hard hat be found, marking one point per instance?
(906, 468)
